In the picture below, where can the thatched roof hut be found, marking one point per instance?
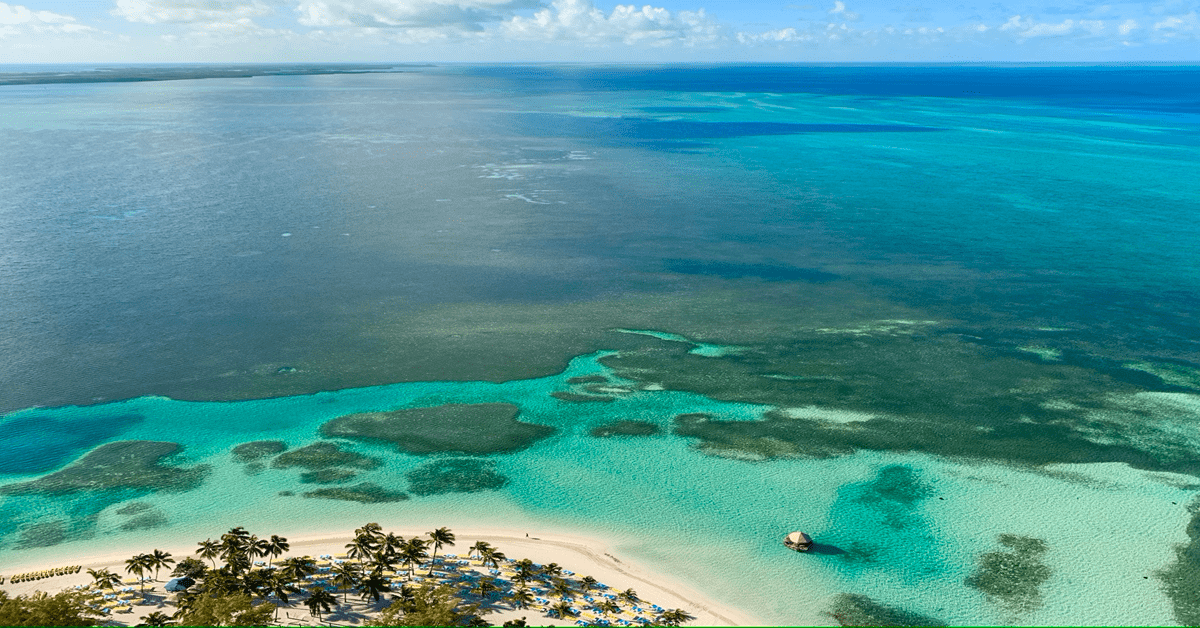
(798, 541)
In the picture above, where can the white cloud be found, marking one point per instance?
(782, 35)
(191, 11)
(1178, 25)
(839, 9)
(580, 20)
(17, 20)
(1128, 26)
(468, 15)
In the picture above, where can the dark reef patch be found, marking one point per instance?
(41, 442)
(1013, 578)
(1181, 579)
(563, 395)
(859, 610)
(894, 494)
(133, 508)
(323, 456)
(455, 475)
(133, 464)
(626, 428)
(482, 428)
(252, 451)
(145, 521)
(43, 534)
(920, 388)
(331, 475)
(365, 493)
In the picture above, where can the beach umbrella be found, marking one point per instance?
(176, 585)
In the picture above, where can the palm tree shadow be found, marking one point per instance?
(825, 549)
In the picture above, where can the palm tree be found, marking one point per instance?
(373, 586)
(674, 617)
(362, 546)
(629, 596)
(588, 583)
(234, 543)
(139, 565)
(485, 587)
(346, 577)
(276, 547)
(371, 530)
(391, 544)
(260, 548)
(561, 589)
(520, 598)
(525, 571)
(210, 549)
(493, 556)
(320, 600)
(440, 537)
(412, 553)
(161, 560)
(608, 606)
(553, 570)
(280, 586)
(382, 561)
(104, 578)
(479, 546)
(298, 568)
(563, 609)
(157, 618)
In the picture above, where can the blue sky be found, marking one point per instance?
(51, 31)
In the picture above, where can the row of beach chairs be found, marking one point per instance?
(45, 573)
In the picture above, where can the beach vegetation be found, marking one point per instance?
(516, 623)
(373, 586)
(428, 606)
(320, 601)
(629, 596)
(139, 565)
(412, 552)
(562, 609)
(674, 617)
(157, 618)
(520, 597)
(347, 576)
(209, 550)
(190, 567)
(103, 578)
(216, 608)
(160, 560)
(68, 608)
(439, 537)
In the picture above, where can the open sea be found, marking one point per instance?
(944, 319)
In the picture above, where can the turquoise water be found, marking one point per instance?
(904, 528)
(916, 312)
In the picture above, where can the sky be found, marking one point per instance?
(164, 31)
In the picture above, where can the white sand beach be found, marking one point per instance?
(577, 554)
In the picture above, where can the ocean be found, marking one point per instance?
(942, 318)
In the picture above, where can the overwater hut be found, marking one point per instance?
(798, 541)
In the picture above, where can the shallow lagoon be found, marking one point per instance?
(905, 530)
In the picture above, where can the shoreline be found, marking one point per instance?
(585, 555)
